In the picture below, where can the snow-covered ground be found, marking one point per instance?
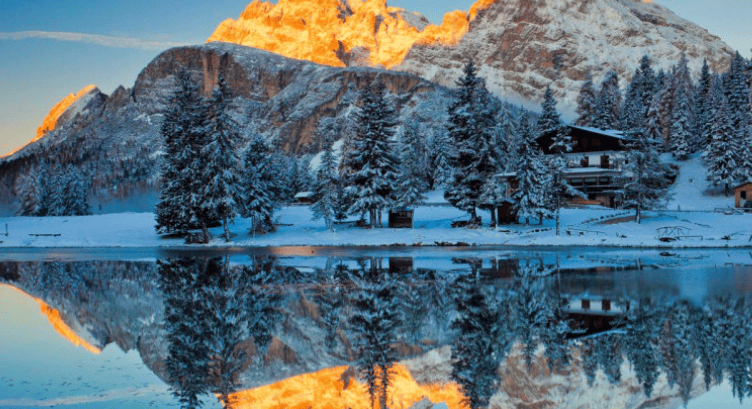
(580, 227)
(701, 222)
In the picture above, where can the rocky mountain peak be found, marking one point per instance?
(513, 41)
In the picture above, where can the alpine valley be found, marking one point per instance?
(294, 64)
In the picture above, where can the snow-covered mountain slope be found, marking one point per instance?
(512, 41)
(116, 138)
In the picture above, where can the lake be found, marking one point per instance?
(398, 327)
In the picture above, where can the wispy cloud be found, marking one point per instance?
(106, 41)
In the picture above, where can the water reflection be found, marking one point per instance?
(224, 326)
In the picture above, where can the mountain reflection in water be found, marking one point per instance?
(383, 333)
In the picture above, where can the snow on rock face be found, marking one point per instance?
(513, 42)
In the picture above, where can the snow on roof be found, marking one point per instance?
(613, 133)
(303, 195)
(591, 170)
(749, 182)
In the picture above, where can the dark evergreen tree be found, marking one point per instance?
(327, 185)
(413, 166)
(608, 103)
(682, 116)
(586, 104)
(721, 154)
(222, 192)
(704, 107)
(257, 190)
(644, 184)
(472, 128)
(182, 136)
(373, 160)
(549, 119)
(638, 97)
(532, 179)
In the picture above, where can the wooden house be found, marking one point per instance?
(743, 195)
(595, 163)
(304, 198)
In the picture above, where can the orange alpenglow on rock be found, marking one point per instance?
(57, 322)
(341, 33)
(326, 389)
(59, 109)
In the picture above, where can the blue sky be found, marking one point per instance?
(110, 42)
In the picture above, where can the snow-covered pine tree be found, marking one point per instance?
(549, 119)
(638, 97)
(531, 177)
(373, 160)
(721, 154)
(222, 191)
(737, 90)
(440, 154)
(257, 192)
(586, 104)
(704, 110)
(683, 141)
(28, 190)
(608, 103)
(179, 132)
(507, 136)
(413, 166)
(326, 185)
(472, 131)
(560, 189)
(643, 184)
(69, 193)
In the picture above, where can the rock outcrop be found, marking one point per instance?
(512, 41)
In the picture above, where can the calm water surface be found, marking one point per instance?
(315, 327)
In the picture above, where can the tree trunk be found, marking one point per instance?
(227, 229)
(205, 231)
(558, 215)
(493, 217)
(638, 215)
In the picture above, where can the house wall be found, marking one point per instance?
(738, 194)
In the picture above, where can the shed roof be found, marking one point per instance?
(749, 182)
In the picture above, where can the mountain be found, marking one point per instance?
(512, 41)
(115, 138)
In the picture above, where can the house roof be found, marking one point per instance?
(749, 182)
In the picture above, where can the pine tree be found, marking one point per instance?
(326, 185)
(586, 104)
(643, 185)
(222, 191)
(608, 103)
(703, 102)
(373, 160)
(638, 97)
(532, 179)
(682, 115)
(737, 90)
(560, 189)
(28, 189)
(721, 154)
(182, 134)
(472, 131)
(549, 119)
(413, 165)
(664, 105)
(257, 192)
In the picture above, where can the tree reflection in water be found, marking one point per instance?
(220, 317)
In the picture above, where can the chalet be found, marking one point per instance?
(595, 163)
(743, 195)
(304, 198)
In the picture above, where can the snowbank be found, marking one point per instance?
(580, 227)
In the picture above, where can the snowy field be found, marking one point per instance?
(580, 227)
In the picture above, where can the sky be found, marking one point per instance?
(51, 48)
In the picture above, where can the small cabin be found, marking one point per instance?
(304, 198)
(401, 218)
(743, 195)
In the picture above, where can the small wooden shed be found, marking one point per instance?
(743, 195)
(304, 198)
(401, 218)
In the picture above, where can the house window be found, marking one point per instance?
(591, 181)
(585, 304)
(744, 195)
(585, 162)
(606, 180)
(576, 182)
(606, 305)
